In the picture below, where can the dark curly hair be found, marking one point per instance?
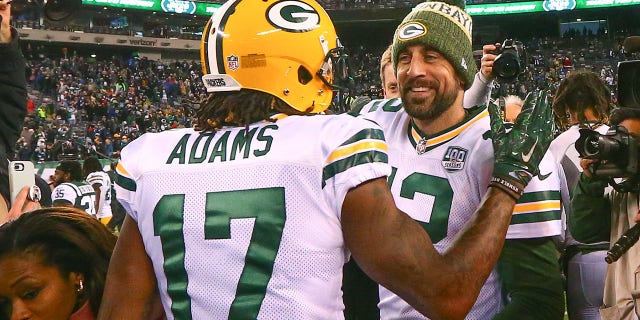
(67, 239)
(239, 108)
(91, 164)
(580, 91)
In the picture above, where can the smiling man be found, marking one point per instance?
(442, 159)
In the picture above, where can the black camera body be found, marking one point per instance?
(507, 65)
(629, 84)
(617, 151)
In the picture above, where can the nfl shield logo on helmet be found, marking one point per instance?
(233, 63)
(454, 158)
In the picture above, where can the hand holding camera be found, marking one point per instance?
(611, 155)
(507, 65)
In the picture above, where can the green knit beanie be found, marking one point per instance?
(443, 26)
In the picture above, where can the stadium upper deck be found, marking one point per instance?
(163, 29)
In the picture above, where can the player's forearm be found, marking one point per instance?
(130, 268)
(457, 276)
(396, 251)
(475, 251)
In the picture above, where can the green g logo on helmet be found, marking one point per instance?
(293, 16)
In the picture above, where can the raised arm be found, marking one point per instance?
(396, 252)
(13, 83)
(480, 90)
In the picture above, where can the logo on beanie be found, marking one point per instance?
(411, 30)
(450, 12)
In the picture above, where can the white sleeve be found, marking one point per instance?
(479, 92)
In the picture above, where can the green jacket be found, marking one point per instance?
(590, 219)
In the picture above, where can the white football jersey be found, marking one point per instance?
(567, 157)
(104, 203)
(442, 187)
(246, 224)
(78, 193)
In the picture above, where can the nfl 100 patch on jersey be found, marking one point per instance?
(455, 158)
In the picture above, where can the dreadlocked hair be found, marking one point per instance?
(239, 108)
(581, 91)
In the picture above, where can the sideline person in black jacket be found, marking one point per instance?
(13, 96)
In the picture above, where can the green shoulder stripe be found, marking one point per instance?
(125, 182)
(342, 165)
(369, 133)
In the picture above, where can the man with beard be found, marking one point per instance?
(442, 159)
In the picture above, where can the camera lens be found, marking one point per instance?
(591, 146)
(506, 66)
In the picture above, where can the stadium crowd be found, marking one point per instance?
(83, 108)
(80, 107)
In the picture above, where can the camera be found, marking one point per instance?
(17, 166)
(629, 84)
(507, 66)
(617, 151)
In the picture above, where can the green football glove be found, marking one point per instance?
(518, 153)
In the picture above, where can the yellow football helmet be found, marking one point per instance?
(287, 48)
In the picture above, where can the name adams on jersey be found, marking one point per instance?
(261, 217)
(228, 146)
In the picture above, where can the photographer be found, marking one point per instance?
(600, 217)
(582, 101)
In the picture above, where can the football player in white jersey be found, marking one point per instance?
(442, 158)
(252, 214)
(582, 101)
(70, 189)
(101, 183)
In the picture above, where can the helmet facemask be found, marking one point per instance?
(334, 73)
(289, 50)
